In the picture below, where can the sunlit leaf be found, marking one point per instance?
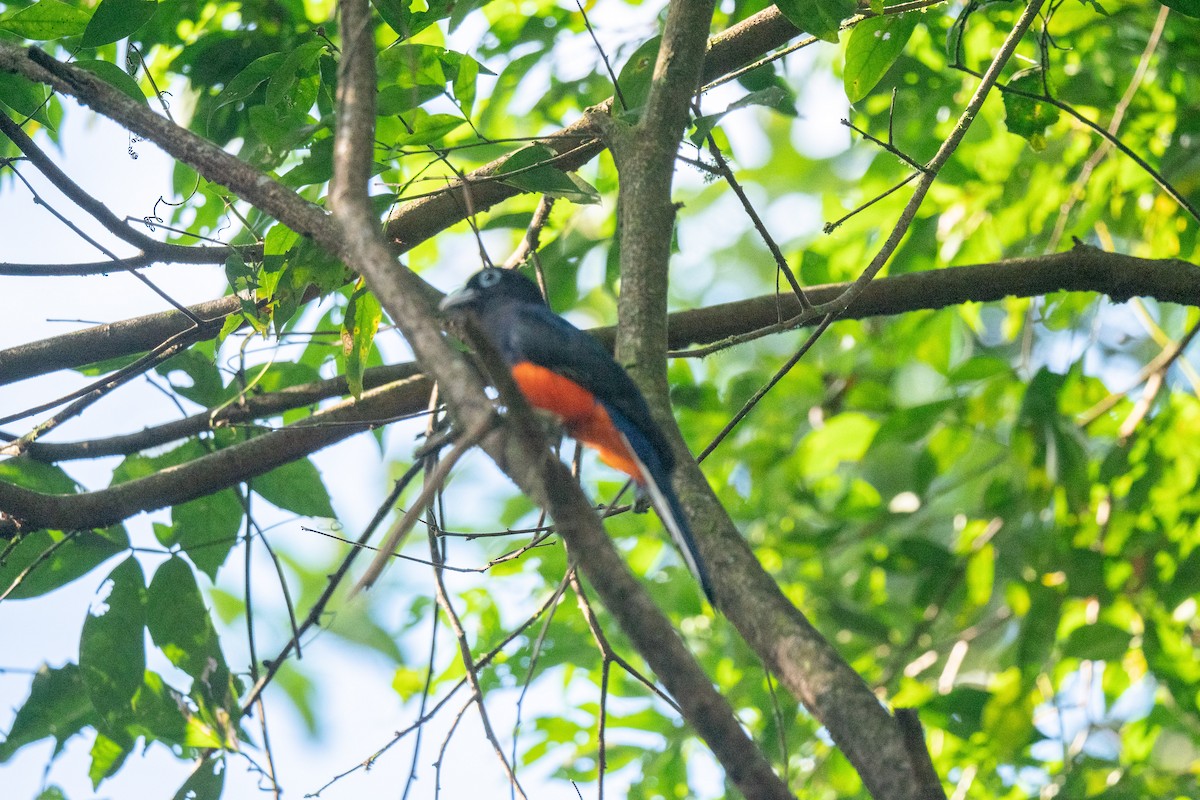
(1024, 115)
(873, 46)
(363, 315)
(46, 19)
(529, 169)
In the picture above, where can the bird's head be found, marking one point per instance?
(490, 287)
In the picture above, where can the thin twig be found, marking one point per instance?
(781, 265)
(472, 677)
(1079, 186)
(402, 528)
(749, 405)
(331, 585)
(986, 83)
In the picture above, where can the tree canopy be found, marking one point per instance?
(909, 288)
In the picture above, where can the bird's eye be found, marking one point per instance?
(489, 278)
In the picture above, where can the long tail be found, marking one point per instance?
(657, 483)
(662, 496)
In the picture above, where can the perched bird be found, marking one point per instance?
(562, 370)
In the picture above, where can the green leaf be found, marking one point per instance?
(317, 166)
(206, 782)
(960, 711)
(23, 96)
(527, 170)
(296, 487)
(282, 128)
(112, 652)
(415, 66)
(36, 475)
(207, 529)
(843, 438)
(116, 19)
(293, 265)
(1026, 116)
(300, 61)
(363, 315)
(47, 19)
(425, 128)
(136, 465)
(249, 79)
(463, 82)
(1038, 629)
(1190, 8)
(404, 18)
(206, 388)
(108, 754)
(873, 47)
(162, 712)
(115, 76)
(634, 78)
(98, 368)
(57, 706)
(179, 622)
(1099, 641)
(981, 575)
(821, 18)
(46, 560)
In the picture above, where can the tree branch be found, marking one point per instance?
(111, 340)
(27, 509)
(245, 409)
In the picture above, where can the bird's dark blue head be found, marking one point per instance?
(493, 287)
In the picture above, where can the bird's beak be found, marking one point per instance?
(463, 297)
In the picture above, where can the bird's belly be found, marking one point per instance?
(581, 414)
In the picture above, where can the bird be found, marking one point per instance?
(562, 370)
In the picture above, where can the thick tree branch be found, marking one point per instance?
(30, 510)
(111, 340)
(645, 158)
(805, 662)
(810, 668)
(412, 400)
(201, 254)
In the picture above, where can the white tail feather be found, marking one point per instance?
(680, 534)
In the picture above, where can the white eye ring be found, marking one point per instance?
(489, 278)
